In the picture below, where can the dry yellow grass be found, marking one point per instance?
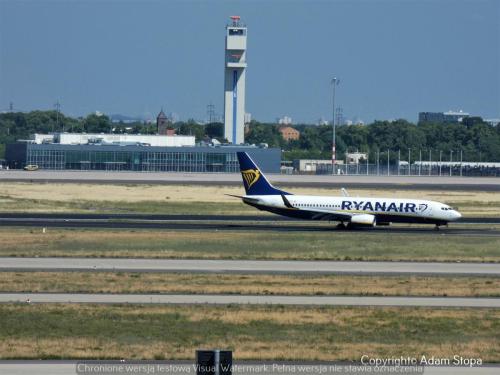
(71, 192)
(200, 193)
(299, 333)
(108, 282)
(243, 349)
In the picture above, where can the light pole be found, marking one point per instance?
(334, 82)
(420, 165)
(440, 161)
(409, 161)
(430, 161)
(451, 159)
(388, 165)
(399, 160)
(461, 160)
(378, 162)
(57, 106)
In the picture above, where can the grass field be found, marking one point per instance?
(247, 245)
(192, 199)
(120, 282)
(73, 331)
(296, 333)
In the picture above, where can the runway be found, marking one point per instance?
(234, 179)
(224, 299)
(246, 227)
(183, 217)
(248, 266)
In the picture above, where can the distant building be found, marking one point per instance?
(322, 121)
(114, 139)
(449, 117)
(162, 123)
(313, 166)
(355, 157)
(288, 133)
(492, 121)
(285, 120)
(138, 157)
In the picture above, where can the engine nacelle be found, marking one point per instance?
(363, 219)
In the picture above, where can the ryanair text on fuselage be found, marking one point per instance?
(381, 206)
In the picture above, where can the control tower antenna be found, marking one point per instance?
(339, 119)
(211, 112)
(57, 106)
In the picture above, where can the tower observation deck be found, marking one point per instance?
(234, 81)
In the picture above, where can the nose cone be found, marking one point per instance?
(455, 215)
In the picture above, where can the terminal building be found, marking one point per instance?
(449, 117)
(137, 156)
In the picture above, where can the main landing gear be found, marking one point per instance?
(343, 226)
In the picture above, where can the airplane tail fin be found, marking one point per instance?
(253, 179)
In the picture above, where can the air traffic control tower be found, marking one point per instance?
(234, 86)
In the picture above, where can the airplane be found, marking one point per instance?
(349, 211)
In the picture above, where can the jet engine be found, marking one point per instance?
(363, 219)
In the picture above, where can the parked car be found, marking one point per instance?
(31, 167)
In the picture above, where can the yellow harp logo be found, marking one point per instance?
(250, 176)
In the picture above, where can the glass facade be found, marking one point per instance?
(137, 159)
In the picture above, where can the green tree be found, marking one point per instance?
(214, 130)
(191, 128)
(97, 124)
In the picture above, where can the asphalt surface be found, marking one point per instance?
(224, 299)
(227, 179)
(182, 217)
(248, 266)
(275, 226)
(65, 367)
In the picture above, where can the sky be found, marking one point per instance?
(393, 58)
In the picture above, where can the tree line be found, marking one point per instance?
(476, 139)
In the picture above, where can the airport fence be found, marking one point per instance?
(393, 163)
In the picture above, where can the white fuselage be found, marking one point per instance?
(385, 210)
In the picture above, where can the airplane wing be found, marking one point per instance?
(319, 214)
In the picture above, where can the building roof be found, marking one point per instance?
(161, 115)
(283, 129)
